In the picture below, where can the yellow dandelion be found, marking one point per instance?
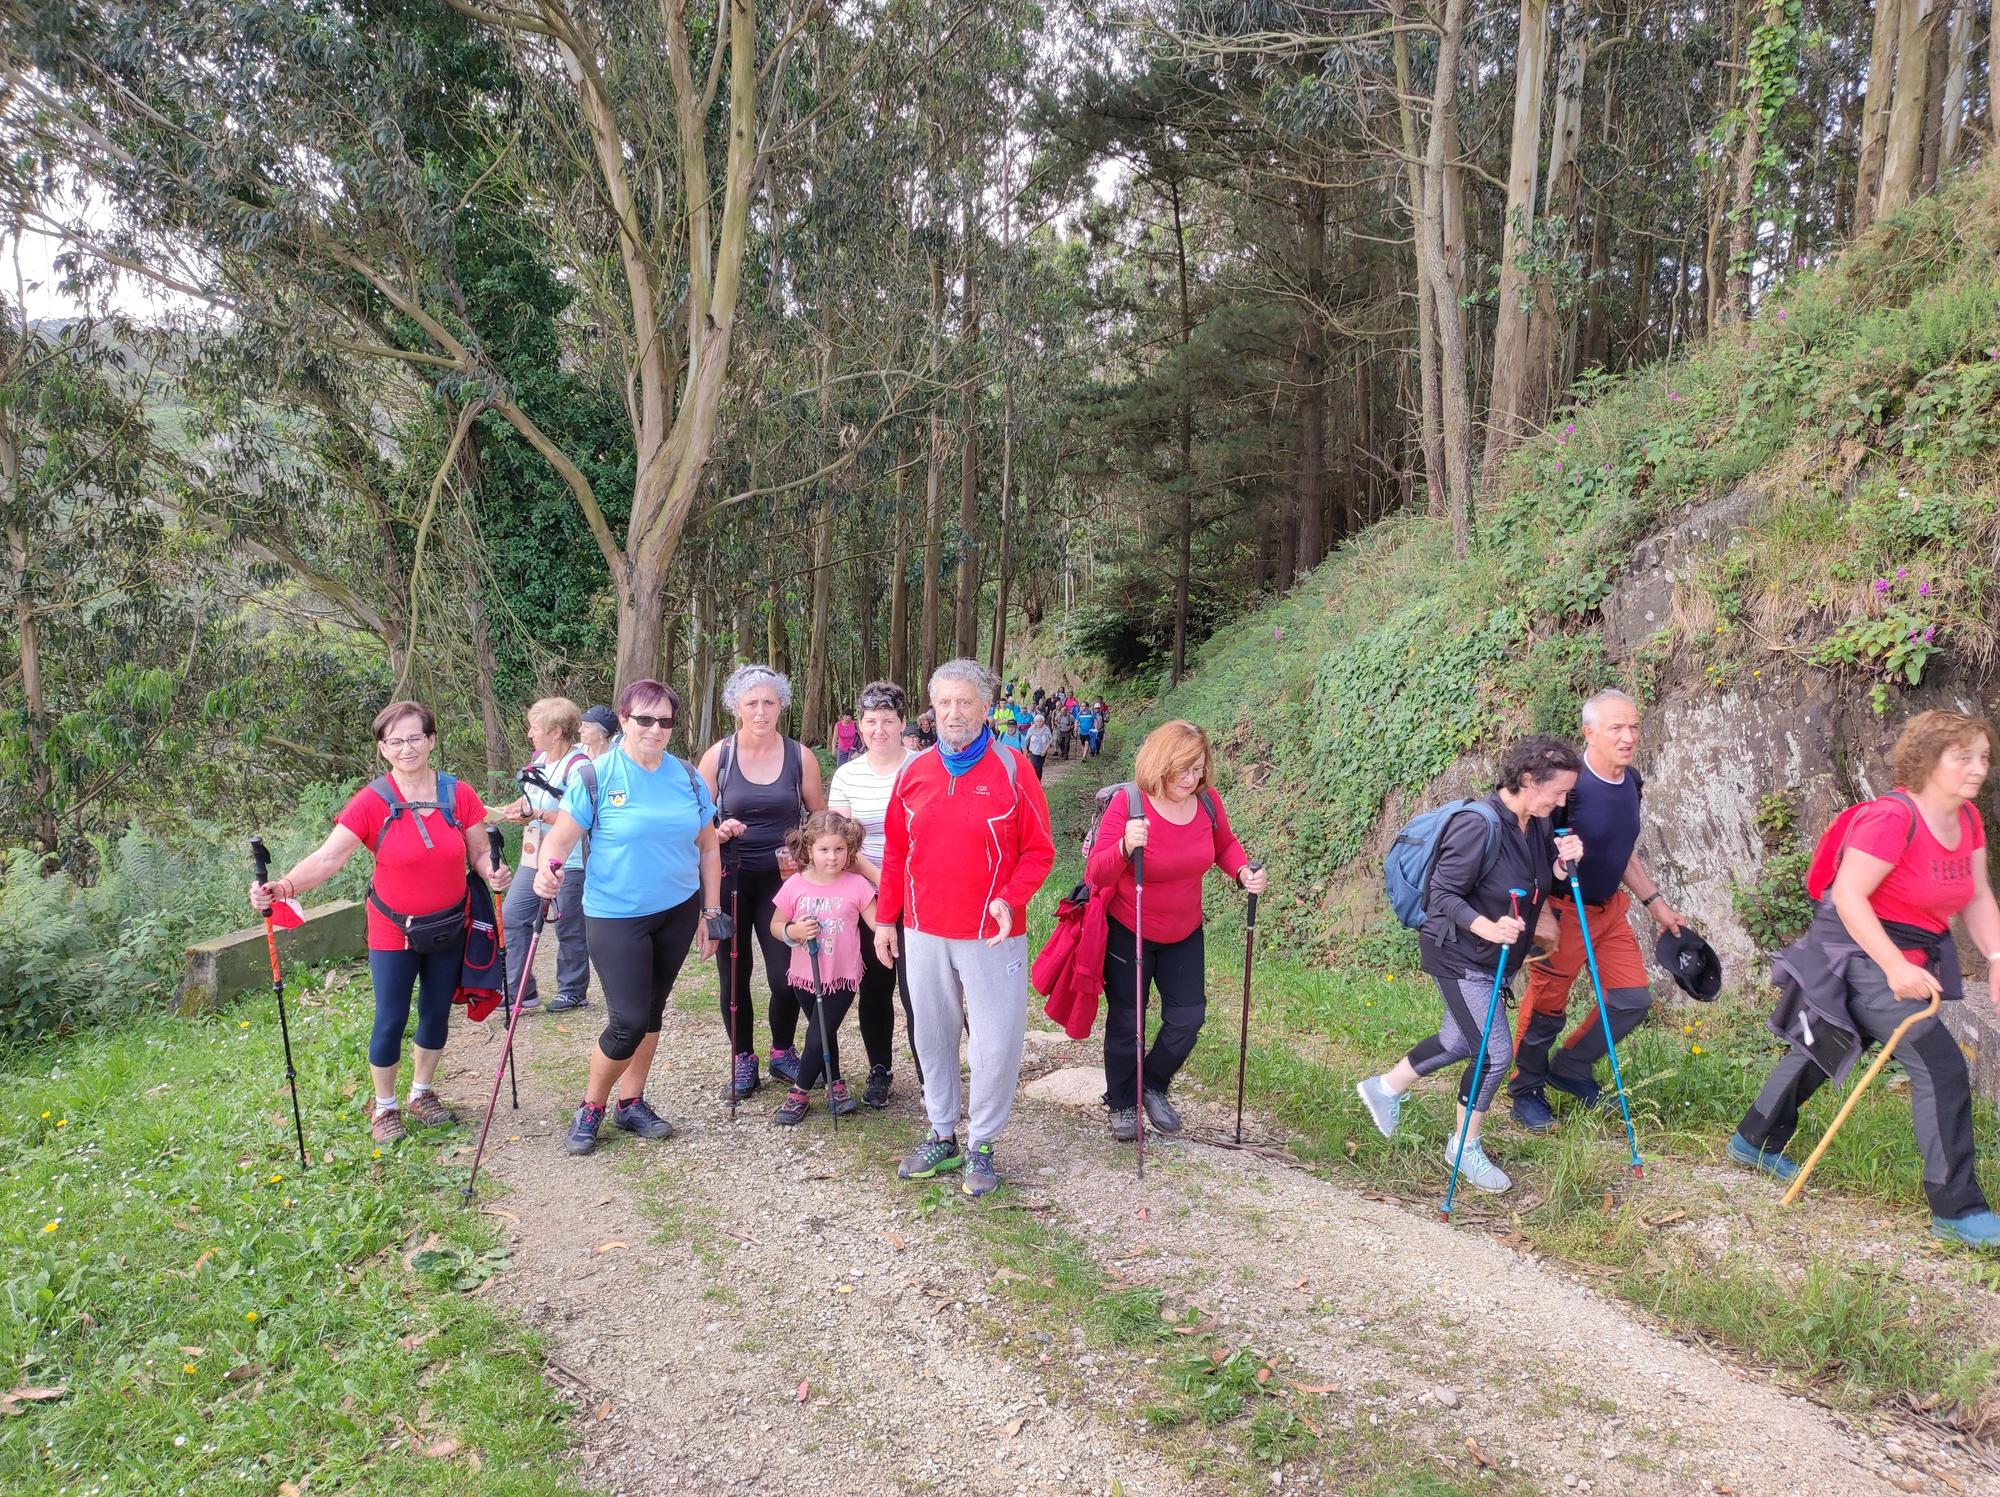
(378, 1153)
(52, 1226)
(242, 1023)
(1388, 977)
(62, 1122)
(45, 1115)
(188, 1368)
(276, 1178)
(1697, 1049)
(251, 1316)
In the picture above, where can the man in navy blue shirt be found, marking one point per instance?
(1603, 811)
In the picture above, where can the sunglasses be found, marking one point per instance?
(644, 720)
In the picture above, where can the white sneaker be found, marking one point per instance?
(1476, 1169)
(1383, 1105)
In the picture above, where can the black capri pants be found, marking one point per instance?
(638, 957)
(749, 895)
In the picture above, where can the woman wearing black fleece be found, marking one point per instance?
(1472, 917)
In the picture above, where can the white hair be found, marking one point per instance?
(971, 672)
(747, 678)
(1605, 698)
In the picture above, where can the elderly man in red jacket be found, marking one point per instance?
(966, 845)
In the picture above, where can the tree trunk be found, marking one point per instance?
(1562, 197)
(1001, 583)
(1504, 406)
(1430, 433)
(967, 619)
(1184, 479)
(934, 485)
(1312, 381)
(1440, 280)
(899, 583)
(703, 678)
(777, 638)
(1958, 72)
(1885, 31)
(817, 663)
(867, 598)
(28, 634)
(1937, 74)
(1902, 156)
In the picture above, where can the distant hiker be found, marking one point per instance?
(860, 789)
(1100, 720)
(1065, 731)
(846, 739)
(967, 846)
(600, 729)
(764, 784)
(828, 902)
(1185, 832)
(553, 728)
(651, 883)
(927, 727)
(1603, 810)
(1504, 842)
(1015, 734)
(1040, 741)
(913, 739)
(424, 828)
(1879, 944)
(1086, 726)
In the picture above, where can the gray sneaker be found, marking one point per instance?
(1161, 1113)
(637, 1116)
(930, 1159)
(1383, 1105)
(1124, 1124)
(1475, 1168)
(981, 1178)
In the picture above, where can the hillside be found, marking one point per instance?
(1780, 543)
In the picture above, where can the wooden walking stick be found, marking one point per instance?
(1854, 1095)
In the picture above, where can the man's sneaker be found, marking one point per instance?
(425, 1108)
(1383, 1105)
(1160, 1113)
(1531, 1111)
(744, 1078)
(582, 1135)
(981, 1178)
(1978, 1229)
(784, 1064)
(530, 1003)
(841, 1100)
(386, 1127)
(562, 1003)
(1770, 1161)
(1586, 1091)
(637, 1116)
(930, 1159)
(876, 1093)
(1476, 1169)
(1124, 1124)
(792, 1111)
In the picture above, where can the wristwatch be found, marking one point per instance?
(1649, 899)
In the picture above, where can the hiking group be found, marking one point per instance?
(909, 872)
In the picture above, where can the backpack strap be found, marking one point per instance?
(385, 786)
(447, 802)
(1491, 817)
(587, 772)
(795, 766)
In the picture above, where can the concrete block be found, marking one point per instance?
(230, 965)
(1976, 1027)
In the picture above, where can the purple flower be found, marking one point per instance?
(1559, 467)
(1928, 633)
(1277, 631)
(1914, 633)
(1781, 314)
(1802, 262)
(1570, 427)
(1881, 584)
(1902, 571)
(1923, 589)
(1673, 395)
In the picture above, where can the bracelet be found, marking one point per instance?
(1649, 899)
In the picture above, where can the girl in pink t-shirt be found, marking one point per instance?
(824, 903)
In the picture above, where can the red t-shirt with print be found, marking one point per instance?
(410, 878)
(1928, 882)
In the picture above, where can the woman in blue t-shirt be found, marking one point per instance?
(652, 876)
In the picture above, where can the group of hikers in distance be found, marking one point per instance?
(909, 871)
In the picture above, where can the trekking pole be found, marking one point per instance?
(497, 846)
(1243, 1034)
(1139, 1006)
(825, 1035)
(1479, 1060)
(261, 856)
(1604, 1016)
(1854, 1095)
(507, 1046)
(734, 879)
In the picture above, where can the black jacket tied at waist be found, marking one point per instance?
(1811, 978)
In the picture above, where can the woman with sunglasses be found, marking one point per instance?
(650, 883)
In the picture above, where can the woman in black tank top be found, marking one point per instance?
(763, 783)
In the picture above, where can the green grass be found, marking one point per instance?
(221, 1322)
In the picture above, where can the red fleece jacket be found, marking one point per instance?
(951, 847)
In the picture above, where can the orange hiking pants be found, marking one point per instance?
(1627, 994)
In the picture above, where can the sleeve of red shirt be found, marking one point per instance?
(1882, 830)
(1229, 854)
(1108, 862)
(895, 848)
(468, 808)
(364, 815)
(1036, 851)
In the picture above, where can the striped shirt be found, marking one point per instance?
(859, 791)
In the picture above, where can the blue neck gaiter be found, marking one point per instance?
(957, 762)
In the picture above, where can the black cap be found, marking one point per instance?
(603, 717)
(1691, 962)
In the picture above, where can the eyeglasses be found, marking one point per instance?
(642, 720)
(404, 745)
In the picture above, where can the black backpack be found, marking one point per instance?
(440, 928)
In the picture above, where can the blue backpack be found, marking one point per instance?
(1406, 871)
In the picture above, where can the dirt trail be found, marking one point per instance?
(691, 1287)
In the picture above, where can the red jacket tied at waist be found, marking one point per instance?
(1070, 970)
(953, 846)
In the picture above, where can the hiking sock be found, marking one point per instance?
(386, 1104)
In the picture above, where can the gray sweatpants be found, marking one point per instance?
(968, 984)
(565, 928)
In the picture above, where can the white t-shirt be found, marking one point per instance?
(866, 796)
(1040, 739)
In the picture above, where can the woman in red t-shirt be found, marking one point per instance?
(1185, 832)
(420, 864)
(1909, 863)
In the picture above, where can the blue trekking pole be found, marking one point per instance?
(1479, 1060)
(1603, 1015)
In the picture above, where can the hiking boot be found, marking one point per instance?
(426, 1109)
(637, 1116)
(1160, 1113)
(876, 1093)
(385, 1126)
(1585, 1090)
(1977, 1229)
(930, 1159)
(840, 1101)
(1531, 1111)
(1124, 1124)
(562, 1003)
(1383, 1105)
(744, 1078)
(1475, 1168)
(582, 1135)
(792, 1111)
(981, 1178)
(1771, 1161)
(784, 1064)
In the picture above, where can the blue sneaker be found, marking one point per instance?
(1383, 1105)
(1531, 1111)
(1586, 1091)
(1977, 1229)
(1770, 1161)
(784, 1064)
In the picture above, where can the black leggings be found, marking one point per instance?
(637, 960)
(877, 1005)
(829, 1011)
(748, 896)
(1176, 969)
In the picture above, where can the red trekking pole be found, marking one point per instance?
(507, 1047)
(261, 856)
